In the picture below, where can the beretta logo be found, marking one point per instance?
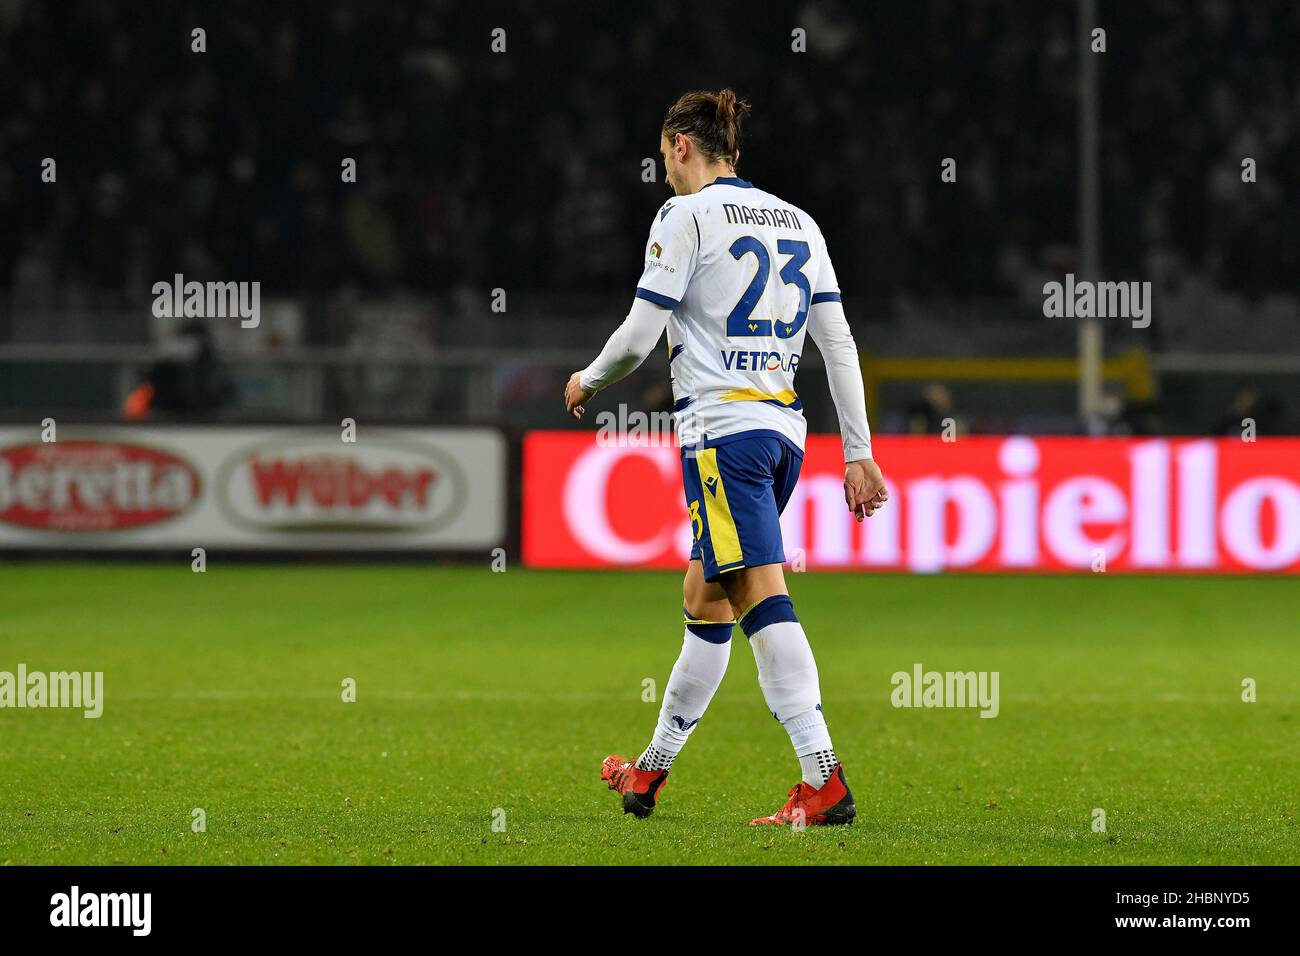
(384, 483)
(93, 486)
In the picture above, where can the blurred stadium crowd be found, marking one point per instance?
(523, 170)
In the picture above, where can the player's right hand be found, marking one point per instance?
(864, 488)
(575, 396)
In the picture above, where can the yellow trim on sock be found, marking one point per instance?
(745, 613)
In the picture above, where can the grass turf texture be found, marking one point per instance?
(478, 691)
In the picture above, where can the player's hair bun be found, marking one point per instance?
(711, 120)
(730, 111)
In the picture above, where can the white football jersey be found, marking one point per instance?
(740, 270)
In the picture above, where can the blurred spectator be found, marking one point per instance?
(1125, 416)
(931, 413)
(657, 397)
(1250, 402)
(185, 380)
(230, 160)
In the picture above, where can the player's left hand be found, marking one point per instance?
(864, 488)
(575, 396)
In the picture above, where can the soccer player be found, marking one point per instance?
(738, 277)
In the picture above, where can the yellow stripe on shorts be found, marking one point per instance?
(722, 527)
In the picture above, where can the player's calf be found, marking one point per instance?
(706, 648)
(787, 674)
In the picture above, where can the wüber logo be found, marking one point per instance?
(76, 690)
(923, 688)
(209, 300)
(315, 484)
(134, 910)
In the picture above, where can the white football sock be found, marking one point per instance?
(812, 745)
(787, 673)
(692, 684)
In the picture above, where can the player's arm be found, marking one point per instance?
(864, 486)
(626, 349)
(672, 251)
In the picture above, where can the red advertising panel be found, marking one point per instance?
(979, 504)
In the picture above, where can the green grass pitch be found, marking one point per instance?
(493, 696)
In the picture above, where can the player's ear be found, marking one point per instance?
(682, 143)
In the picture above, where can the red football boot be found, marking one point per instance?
(830, 806)
(638, 787)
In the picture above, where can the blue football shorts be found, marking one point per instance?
(736, 488)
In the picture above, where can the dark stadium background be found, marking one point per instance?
(190, 508)
(522, 171)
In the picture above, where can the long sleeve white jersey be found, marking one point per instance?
(739, 278)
